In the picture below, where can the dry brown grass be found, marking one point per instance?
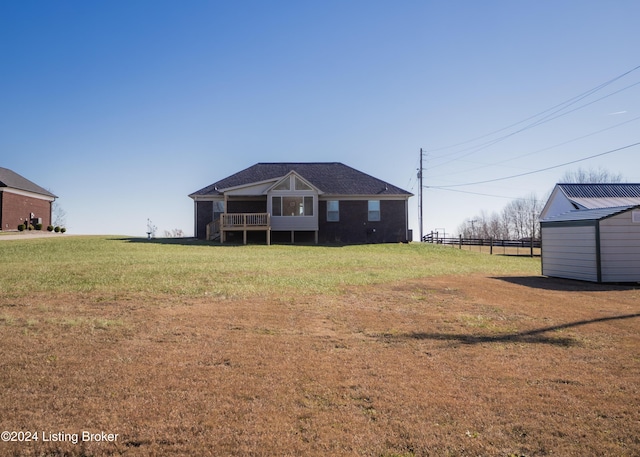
(440, 366)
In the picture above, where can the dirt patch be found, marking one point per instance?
(440, 366)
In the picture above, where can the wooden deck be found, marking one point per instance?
(235, 222)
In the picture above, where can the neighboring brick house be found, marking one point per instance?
(22, 201)
(302, 202)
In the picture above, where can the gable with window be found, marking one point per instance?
(293, 204)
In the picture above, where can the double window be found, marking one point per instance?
(333, 210)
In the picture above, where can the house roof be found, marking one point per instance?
(602, 195)
(332, 178)
(594, 214)
(9, 178)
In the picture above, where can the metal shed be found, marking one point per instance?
(599, 245)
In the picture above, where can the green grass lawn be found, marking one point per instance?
(116, 266)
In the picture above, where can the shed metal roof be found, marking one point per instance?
(610, 190)
(9, 178)
(332, 178)
(595, 214)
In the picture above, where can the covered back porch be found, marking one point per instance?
(245, 223)
(239, 222)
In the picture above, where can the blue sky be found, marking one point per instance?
(124, 108)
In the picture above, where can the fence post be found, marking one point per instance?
(491, 245)
(531, 246)
(460, 242)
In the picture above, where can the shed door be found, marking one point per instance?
(569, 252)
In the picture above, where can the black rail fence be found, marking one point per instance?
(524, 246)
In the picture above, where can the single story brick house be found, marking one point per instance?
(22, 201)
(320, 202)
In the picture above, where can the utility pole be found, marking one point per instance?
(473, 227)
(420, 192)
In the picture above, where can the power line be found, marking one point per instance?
(592, 90)
(547, 148)
(543, 169)
(479, 193)
(568, 102)
(544, 120)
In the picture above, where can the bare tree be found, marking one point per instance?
(591, 176)
(522, 216)
(484, 226)
(58, 215)
(151, 229)
(517, 220)
(175, 233)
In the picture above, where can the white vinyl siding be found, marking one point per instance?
(293, 205)
(570, 252)
(558, 204)
(620, 249)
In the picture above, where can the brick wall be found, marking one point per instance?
(204, 215)
(16, 209)
(353, 226)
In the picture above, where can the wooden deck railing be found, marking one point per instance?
(244, 222)
(213, 230)
(259, 221)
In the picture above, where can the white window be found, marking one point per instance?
(291, 206)
(218, 206)
(276, 206)
(284, 185)
(300, 185)
(374, 210)
(333, 211)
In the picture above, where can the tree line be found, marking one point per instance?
(519, 218)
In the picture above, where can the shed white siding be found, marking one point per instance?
(558, 203)
(570, 252)
(620, 248)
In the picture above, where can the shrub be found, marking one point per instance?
(62, 229)
(38, 226)
(21, 227)
(50, 228)
(30, 226)
(57, 229)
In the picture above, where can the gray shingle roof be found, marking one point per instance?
(9, 178)
(588, 214)
(332, 178)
